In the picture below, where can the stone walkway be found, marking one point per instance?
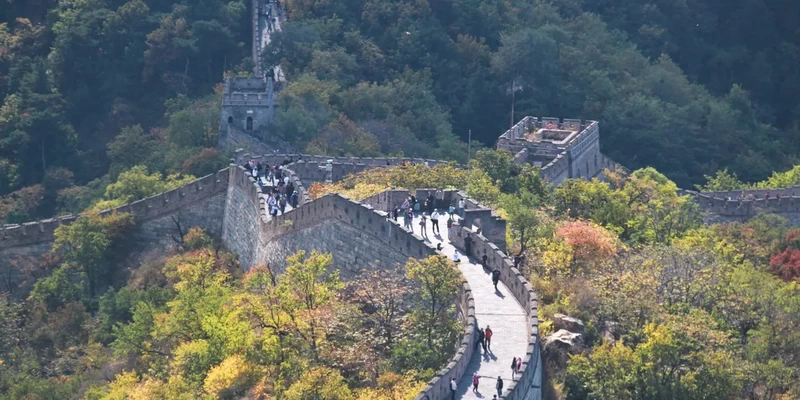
(266, 38)
(498, 309)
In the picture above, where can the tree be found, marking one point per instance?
(130, 148)
(91, 245)
(722, 181)
(136, 184)
(382, 295)
(231, 378)
(690, 361)
(523, 218)
(589, 244)
(438, 281)
(320, 383)
(308, 289)
(393, 386)
(344, 139)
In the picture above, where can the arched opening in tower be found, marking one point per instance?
(250, 124)
(230, 120)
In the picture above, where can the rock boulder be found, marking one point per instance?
(561, 321)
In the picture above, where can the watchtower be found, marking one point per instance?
(247, 107)
(568, 148)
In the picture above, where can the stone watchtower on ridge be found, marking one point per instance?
(569, 148)
(247, 108)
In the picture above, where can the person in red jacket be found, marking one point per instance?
(476, 379)
(488, 333)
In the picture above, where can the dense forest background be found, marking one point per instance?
(91, 88)
(687, 87)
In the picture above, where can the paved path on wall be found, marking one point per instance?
(266, 37)
(498, 309)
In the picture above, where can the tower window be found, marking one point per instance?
(249, 123)
(230, 120)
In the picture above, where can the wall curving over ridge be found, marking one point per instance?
(160, 219)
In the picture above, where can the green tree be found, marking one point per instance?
(308, 289)
(438, 281)
(91, 245)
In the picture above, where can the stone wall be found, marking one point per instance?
(529, 382)
(741, 205)
(480, 216)
(160, 221)
(354, 233)
(187, 199)
(558, 170)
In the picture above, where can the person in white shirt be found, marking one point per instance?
(435, 222)
(456, 257)
(453, 388)
(461, 208)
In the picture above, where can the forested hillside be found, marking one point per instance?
(91, 88)
(96, 86)
(612, 66)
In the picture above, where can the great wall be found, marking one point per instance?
(359, 235)
(231, 207)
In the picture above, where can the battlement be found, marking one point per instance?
(568, 148)
(31, 233)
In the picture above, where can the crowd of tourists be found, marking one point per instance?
(278, 186)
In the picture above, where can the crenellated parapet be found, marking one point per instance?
(564, 149)
(740, 205)
(147, 209)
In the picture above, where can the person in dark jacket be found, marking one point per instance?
(499, 386)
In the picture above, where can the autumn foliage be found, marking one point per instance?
(373, 181)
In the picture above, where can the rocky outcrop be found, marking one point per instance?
(561, 321)
(566, 340)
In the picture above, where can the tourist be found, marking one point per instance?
(476, 379)
(453, 388)
(499, 387)
(488, 333)
(519, 364)
(461, 208)
(293, 199)
(430, 203)
(480, 341)
(408, 219)
(495, 277)
(282, 204)
(435, 222)
(439, 246)
(513, 367)
(456, 257)
(423, 220)
(485, 262)
(468, 245)
(450, 211)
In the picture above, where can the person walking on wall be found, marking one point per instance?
(488, 333)
(468, 245)
(461, 208)
(499, 387)
(480, 341)
(408, 219)
(435, 222)
(453, 388)
(513, 367)
(423, 221)
(495, 277)
(476, 379)
(519, 364)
